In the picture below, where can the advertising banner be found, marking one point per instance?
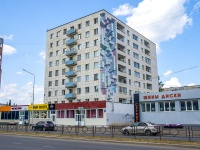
(38, 107)
(136, 108)
(19, 108)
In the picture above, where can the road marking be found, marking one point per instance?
(16, 143)
(48, 147)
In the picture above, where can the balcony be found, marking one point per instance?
(70, 96)
(70, 74)
(70, 63)
(71, 52)
(71, 42)
(70, 84)
(71, 32)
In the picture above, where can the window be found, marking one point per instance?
(56, 73)
(95, 53)
(87, 55)
(50, 83)
(129, 52)
(87, 23)
(70, 113)
(129, 62)
(142, 50)
(57, 43)
(128, 42)
(64, 31)
(96, 99)
(148, 107)
(137, 84)
(57, 52)
(135, 37)
(96, 89)
(58, 33)
(79, 36)
(142, 58)
(63, 81)
(79, 79)
(51, 45)
(63, 60)
(95, 20)
(50, 73)
(91, 113)
(96, 42)
(87, 66)
(56, 93)
(78, 90)
(141, 41)
(189, 105)
(78, 57)
(63, 71)
(129, 81)
(64, 50)
(50, 64)
(147, 60)
(79, 26)
(51, 36)
(87, 34)
(135, 46)
(96, 31)
(56, 82)
(86, 77)
(130, 92)
(87, 90)
(122, 89)
(87, 44)
(135, 55)
(64, 41)
(136, 74)
(127, 32)
(49, 93)
(167, 106)
(51, 54)
(129, 71)
(78, 68)
(57, 62)
(136, 65)
(79, 46)
(96, 76)
(95, 65)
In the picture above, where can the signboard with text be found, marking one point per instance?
(38, 107)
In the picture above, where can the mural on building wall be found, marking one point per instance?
(108, 72)
(129, 118)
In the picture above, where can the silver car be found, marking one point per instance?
(146, 128)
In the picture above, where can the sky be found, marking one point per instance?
(174, 25)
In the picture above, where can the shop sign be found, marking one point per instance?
(51, 106)
(19, 108)
(136, 108)
(162, 96)
(38, 107)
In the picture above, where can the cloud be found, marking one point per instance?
(167, 73)
(123, 10)
(19, 72)
(155, 19)
(196, 7)
(21, 95)
(42, 54)
(8, 50)
(173, 82)
(191, 84)
(5, 37)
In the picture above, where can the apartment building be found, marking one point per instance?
(98, 57)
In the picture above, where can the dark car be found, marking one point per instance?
(44, 126)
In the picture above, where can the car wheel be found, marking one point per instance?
(126, 132)
(147, 132)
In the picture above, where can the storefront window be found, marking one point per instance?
(172, 106)
(153, 108)
(62, 113)
(189, 105)
(70, 113)
(93, 113)
(100, 113)
(166, 106)
(161, 106)
(88, 115)
(143, 107)
(183, 108)
(195, 105)
(148, 107)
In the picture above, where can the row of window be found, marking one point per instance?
(189, 105)
(79, 26)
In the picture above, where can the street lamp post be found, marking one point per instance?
(33, 90)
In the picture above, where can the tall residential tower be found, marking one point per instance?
(98, 57)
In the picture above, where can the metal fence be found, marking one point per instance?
(186, 133)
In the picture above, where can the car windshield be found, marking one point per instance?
(49, 122)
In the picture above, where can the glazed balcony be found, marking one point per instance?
(70, 84)
(70, 96)
(70, 63)
(71, 42)
(70, 73)
(71, 52)
(71, 32)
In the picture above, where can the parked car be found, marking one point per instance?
(44, 125)
(146, 128)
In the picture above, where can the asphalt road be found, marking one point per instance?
(12, 142)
